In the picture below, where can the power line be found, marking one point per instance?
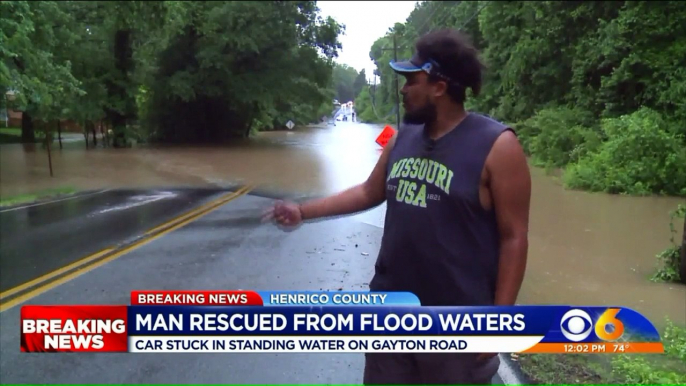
(433, 13)
(395, 57)
(395, 52)
(478, 11)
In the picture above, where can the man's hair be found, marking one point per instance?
(457, 58)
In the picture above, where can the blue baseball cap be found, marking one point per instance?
(417, 64)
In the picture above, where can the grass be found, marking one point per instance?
(10, 131)
(37, 196)
(10, 135)
(583, 369)
(13, 135)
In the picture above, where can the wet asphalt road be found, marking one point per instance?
(229, 248)
(39, 239)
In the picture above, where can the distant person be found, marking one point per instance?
(457, 188)
(353, 117)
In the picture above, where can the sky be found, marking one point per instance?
(365, 22)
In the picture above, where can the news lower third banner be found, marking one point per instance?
(328, 322)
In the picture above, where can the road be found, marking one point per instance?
(42, 238)
(228, 248)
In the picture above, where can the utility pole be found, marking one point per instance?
(397, 90)
(397, 86)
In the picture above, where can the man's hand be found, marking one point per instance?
(284, 213)
(360, 197)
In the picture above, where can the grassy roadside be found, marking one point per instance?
(11, 131)
(37, 196)
(582, 369)
(10, 135)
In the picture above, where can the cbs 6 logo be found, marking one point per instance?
(576, 325)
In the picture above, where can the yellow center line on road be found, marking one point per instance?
(225, 198)
(54, 273)
(81, 266)
(96, 255)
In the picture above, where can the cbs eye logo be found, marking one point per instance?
(576, 325)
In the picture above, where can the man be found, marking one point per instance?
(457, 188)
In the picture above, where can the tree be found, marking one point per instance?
(682, 270)
(32, 34)
(238, 66)
(360, 83)
(344, 78)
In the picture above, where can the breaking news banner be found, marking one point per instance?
(328, 322)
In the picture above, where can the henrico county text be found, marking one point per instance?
(324, 299)
(336, 322)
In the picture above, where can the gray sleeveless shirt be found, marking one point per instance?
(438, 241)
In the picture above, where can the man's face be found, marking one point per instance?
(418, 99)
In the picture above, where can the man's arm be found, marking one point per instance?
(361, 197)
(510, 186)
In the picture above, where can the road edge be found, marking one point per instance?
(51, 199)
(18, 295)
(510, 372)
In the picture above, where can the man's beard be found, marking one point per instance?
(424, 115)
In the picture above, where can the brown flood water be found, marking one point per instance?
(584, 248)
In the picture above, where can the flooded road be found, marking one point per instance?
(584, 248)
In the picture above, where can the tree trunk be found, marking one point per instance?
(682, 269)
(27, 133)
(91, 127)
(85, 133)
(124, 64)
(102, 134)
(59, 132)
(48, 143)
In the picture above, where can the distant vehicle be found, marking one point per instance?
(339, 118)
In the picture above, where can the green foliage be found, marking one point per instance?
(668, 265)
(363, 105)
(669, 260)
(641, 370)
(224, 74)
(40, 195)
(170, 71)
(33, 34)
(642, 155)
(557, 136)
(675, 340)
(344, 78)
(566, 71)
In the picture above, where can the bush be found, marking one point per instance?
(670, 259)
(632, 369)
(642, 155)
(556, 136)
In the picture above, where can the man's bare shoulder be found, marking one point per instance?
(507, 155)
